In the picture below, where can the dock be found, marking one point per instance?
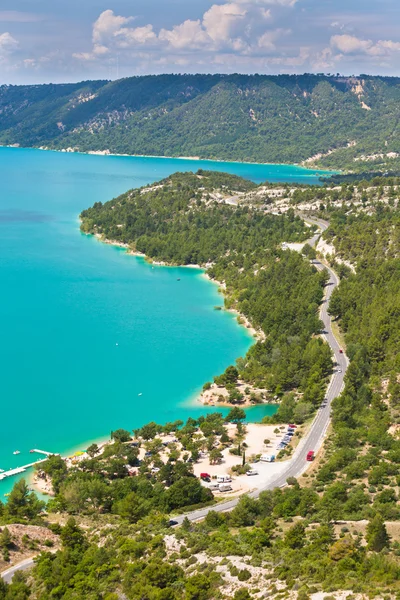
(35, 451)
(19, 470)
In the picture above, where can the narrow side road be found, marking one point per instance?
(24, 565)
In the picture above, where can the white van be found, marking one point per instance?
(267, 458)
(223, 479)
(225, 487)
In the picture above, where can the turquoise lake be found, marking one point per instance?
(85, 328)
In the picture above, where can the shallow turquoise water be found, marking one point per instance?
(85, 328)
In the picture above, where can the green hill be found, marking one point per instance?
(233, 117)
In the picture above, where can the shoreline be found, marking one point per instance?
(241, 319)
(43, 486)
(191, 158)
(258, 334)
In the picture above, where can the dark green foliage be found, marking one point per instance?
(56, 469)
(254, 118)
(120, 435)
(377, 536)
(236, 415)
(22, 505)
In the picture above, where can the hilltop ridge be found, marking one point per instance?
(331, 121)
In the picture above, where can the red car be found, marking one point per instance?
(291, 426)
(310, 455)
(205, 476)
(341, 351)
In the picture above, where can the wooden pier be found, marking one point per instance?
(35, 451)
(19, 470)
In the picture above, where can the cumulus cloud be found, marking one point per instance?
(189, 35)
(8, 44)
(236, 26)
(352, 45)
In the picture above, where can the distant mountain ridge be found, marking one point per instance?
(260, 118)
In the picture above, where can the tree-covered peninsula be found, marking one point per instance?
(194, 219)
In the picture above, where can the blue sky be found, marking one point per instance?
(58, 40)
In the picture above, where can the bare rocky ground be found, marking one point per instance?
(27, 541)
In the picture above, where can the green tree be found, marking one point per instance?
(72, 536)
(294, 537)
(236, 415)
(121, 435)
(22, 504)
(198, 587)
(5, 538)
(93, 450)
(377, 536)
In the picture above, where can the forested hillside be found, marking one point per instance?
(233, 117)
(185, 220)
(334, 532)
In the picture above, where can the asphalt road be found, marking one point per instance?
(312, 441)
(21, 566)
(298, 464)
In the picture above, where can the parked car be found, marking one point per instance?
(225, 487)
(341, 351)
(223, 479)
(252, 472)
(292, 426)
(213, 486)
(205, 476)
(310, 455)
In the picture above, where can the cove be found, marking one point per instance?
(93, 339)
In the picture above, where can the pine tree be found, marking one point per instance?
(5, 538)
(377, 535)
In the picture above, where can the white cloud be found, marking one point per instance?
(8, 44)
(108, 25)
(352, 45)
(349, 44)
(190, 34)
(224, 21)
(138, 36)
(236, 26)
(267, 40)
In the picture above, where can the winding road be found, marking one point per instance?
(298, 464)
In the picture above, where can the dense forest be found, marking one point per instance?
(232, 117)
(182, 220)
(337, 527)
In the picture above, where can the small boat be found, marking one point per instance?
(178, 279)
(16, 452)
(6, 495)
(1, 470)
(141, 394)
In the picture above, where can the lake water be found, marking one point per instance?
(93, 339)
